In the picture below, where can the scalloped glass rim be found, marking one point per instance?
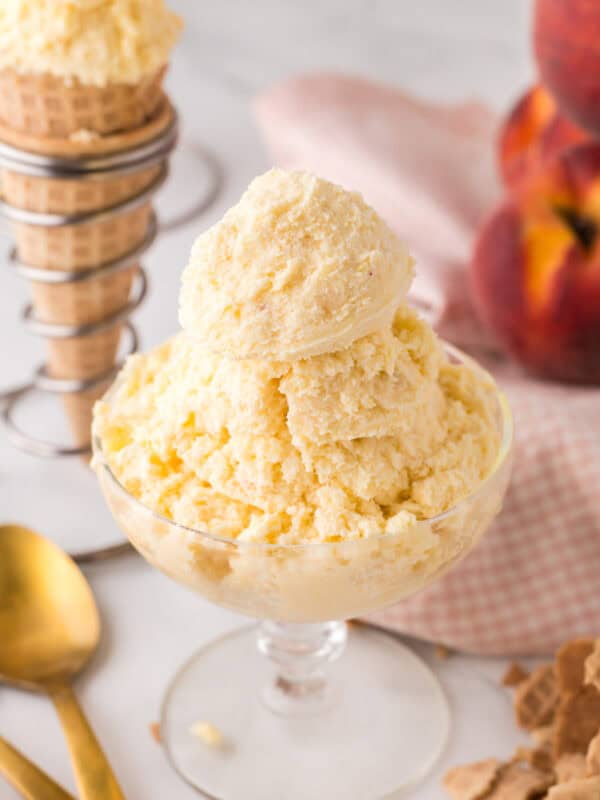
(504, 452)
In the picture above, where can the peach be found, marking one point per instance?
(567, 47)
(532, 134)
(535, 274)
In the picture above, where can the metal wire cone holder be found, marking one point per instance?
(153, 153)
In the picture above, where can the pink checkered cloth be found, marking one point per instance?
(534, 581)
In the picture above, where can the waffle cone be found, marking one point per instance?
(71, 196)
(80, 248)
(45, 105)
(83, 357)
(79, 408)
(80, 358)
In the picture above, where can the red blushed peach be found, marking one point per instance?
(535, 274)
(567, 48)
(533, 133)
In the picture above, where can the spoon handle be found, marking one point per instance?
(28, 779)
(93, 774)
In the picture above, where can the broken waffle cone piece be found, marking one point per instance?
(559, 704)
(543, 736)
(570, 767)
(537, 757)
(592, 759)
(592, 666)
(155, 732)
(536, 698)
(570, 664)
(577, 721)
(441, 652)
(584, 789)
(520, 782)
(473, 781)
(514, 675)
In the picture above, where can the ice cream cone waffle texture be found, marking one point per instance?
(86, 66)
(79, 80)
(44, 105)
(80, 248)
(565, 762)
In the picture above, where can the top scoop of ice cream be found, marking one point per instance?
(94, 41)
(297, 268)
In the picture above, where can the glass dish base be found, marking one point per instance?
(380, 726)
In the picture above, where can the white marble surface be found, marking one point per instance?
(442, 49)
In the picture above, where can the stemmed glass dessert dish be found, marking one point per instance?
(307, 706)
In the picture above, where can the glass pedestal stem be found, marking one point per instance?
(300, 655)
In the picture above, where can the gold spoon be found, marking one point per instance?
(49, 628)
(28, 780)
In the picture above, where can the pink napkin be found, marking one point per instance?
(534, 580)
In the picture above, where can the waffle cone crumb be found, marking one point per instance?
(585, 789)
(514, 675)
(155, 732)
(570, 664)
(536, 698)
(520, 782)
(570, 767)
(592, 759)
(472, 781)
(542, 736)
(577, 721)
(592, 666)
(537, 757)
(442, 653)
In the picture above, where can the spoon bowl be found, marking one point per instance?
(49, 628)
(49, 623)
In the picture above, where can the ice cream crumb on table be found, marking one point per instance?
(208, 733)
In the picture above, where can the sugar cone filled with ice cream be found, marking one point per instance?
(91, 65)
(75, 81)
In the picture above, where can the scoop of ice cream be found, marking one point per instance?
(337, 446)
(95, 41)
(383, 384)
(297, 268)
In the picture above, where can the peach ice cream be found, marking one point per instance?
(297, 268)
(353, 449)
(97, 42)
